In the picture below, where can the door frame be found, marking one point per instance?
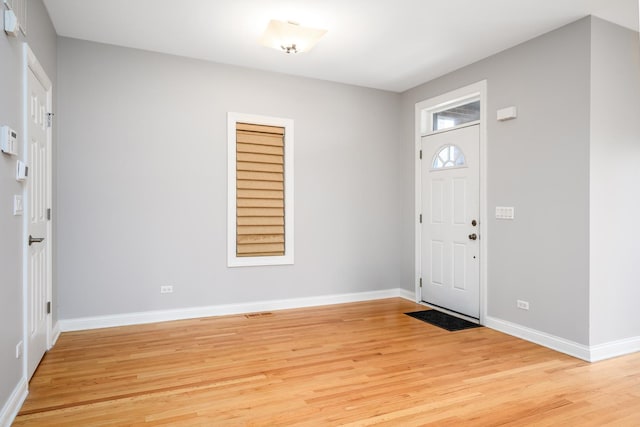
(30, 62)
(423, 109)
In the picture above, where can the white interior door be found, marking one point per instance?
(450, 262)
(38, 262)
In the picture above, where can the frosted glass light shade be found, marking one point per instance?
(290, 37)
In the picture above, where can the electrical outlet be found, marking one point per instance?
(523, 305)
(19, 350)
(505, 212)
(166, 289)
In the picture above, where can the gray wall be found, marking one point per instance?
(42, 40)
(142, 180)
(10, 226)
(615, 175)
(538, 163)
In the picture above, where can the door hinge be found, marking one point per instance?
(49, 214)
(49, 119)
(420, 154)
(421, 282)
(48, 307)
(420, 218)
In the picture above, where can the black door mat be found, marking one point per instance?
(443, 320)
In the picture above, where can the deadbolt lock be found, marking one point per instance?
(474, 222)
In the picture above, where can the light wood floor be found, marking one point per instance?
(356, 364)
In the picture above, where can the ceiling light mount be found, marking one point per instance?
(290, 49)
(290, 37)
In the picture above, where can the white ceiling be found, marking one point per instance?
(385, 44)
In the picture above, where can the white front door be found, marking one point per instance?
(38, 264)
(450, 225)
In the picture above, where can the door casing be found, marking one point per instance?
(422, 109)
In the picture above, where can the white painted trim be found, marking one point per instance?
(418, 200)
(592, 353)
(55, 334)
(406, 294)
(551, 341)
(461, 95)
(225, 310)
(484, 208)
(32, 62)
(232, 259)
(14, 403)
(614, 349)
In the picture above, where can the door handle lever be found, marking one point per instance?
(35, 239)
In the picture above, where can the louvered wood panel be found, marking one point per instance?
(260, 185)
(260, 176)
(259, 129)
(260, 194)
(270, 248)
(263, 149)
(260, 203)
(261, 220)
(260, 158)
(259, 190)
(260, 167)
(260, 139)
(258, 212)
(260, 229)
(261, 238)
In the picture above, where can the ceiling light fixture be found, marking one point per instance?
(290, 37)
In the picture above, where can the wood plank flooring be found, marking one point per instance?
(349, 364)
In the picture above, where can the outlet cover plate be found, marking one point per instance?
(505, 212)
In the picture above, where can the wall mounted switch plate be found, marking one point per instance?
(505, 212)
(18, 206)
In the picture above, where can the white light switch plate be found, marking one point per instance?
(18, 206)
(505, 212)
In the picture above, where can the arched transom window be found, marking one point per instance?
(449, 156)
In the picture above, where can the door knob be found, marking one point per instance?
(35, 239)
(473, 236)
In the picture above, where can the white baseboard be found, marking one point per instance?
(14, 403)
(224, 310)
(592, 353)
(551, 341)
(55, 334)
(409, 295)
(614, 349)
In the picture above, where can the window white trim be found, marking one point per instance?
(287, 124)
(423, 115)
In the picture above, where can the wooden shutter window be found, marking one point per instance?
(259, 190)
